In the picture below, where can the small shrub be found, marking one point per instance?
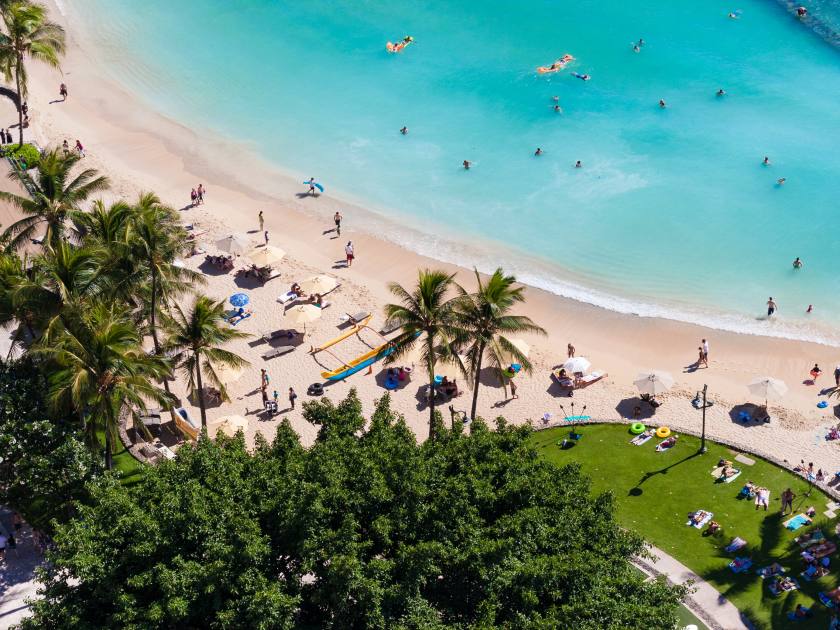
(28, 153)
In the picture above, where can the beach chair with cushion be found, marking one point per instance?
(188, 426)
(288, 296)
(588, 379)
(277, 352)
(355, 318)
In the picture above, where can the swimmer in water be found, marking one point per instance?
(810, 308)
(578, 164)
(801, 12)
(636, 48)
(538, 151)
(467, 165)
(582, 77)
(733, 16)
(797, 264)
(556, 99)
(662, 104)
(781, 181)
(720, 92)
(641, 42)
(404, 130)
(557, 108)
(766, 161)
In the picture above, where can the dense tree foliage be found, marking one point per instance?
(365, 529)
(44, 464)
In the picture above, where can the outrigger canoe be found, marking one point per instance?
(360, 363)
(347, 333)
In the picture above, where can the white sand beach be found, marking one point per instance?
(143, 151)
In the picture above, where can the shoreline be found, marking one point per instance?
(142, 150)
(270, 180)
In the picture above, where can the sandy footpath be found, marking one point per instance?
(141, 150)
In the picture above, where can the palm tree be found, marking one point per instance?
(100, 365)
(426, 309)
(12, 309)
(486, 321)
(28, 34)
(195, 338)
(55, 194)
(156, 237)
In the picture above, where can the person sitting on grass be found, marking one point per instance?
(748, 491)
(713, 528)
(729, 471)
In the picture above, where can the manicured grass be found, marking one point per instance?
(654, 492)
(123, 461)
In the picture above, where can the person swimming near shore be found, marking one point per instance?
(801, 12)
(797, 264)
(556, 99)
(467, 165)
(578, 164)
(582, 77)
(771, 307)
(734, 15)
(404, 130)
(766, 161)
(781, 181)
(636, 48)
(558, 109)
(641, 42)
(662, 104)
(720, 92)
(538, 151)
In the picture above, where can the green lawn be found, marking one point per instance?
(655, 492)
(123, 461)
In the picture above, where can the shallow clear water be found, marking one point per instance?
(672, 213)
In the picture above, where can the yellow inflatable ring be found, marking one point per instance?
(663, 432)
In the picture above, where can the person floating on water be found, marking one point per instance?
(582, 77)
(404, 130)
(399, 47)
(766, 161)
(734, 15)
(641, 42)
(538, 151)
(781, 181)
(801, 12)
(720, 92)
(636, 48)
(797, 264)
(558, 109)
(662, 104)
(467, 165)
(578, 164)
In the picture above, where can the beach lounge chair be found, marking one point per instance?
(740, 565)
(288, 296)
(355, 318)
(810, 538)
(389, 328)
(770, 571)
(823, 549)
(736, 544)
(699, 518)
(588, 379)
(277, 352)
(278, 334)
(782, 584)
(187, 424)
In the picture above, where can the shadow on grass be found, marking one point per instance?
(634, 492)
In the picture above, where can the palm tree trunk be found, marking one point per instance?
(477, 379)
(20, 99)
(432, 392)
(153, 326)
(200, 392)
(108, 459)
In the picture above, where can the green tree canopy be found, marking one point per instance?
(365, 529)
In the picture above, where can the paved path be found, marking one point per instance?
(705, 602)
(17, 573)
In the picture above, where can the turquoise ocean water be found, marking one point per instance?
(673, 212)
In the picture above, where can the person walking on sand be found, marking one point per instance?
(705, 346)
(292, 397)
(66, 147)
(337, 219)
(79, 148)
(349, 253)
(513, 394)
(262, 221)
(201, 190)
(62, 91)
(311, 183)
(771, 307)
(701, 357)
(570, 349)
(837, 375)
(815, 373)
(787, 500)
(266, 238)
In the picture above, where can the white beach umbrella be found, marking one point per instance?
(303, 313)
(654, 382)
(520, 345)
(319, 284)
(233, 244)
(266, 256)
(767, 388)
(228, 425)
(577, 364)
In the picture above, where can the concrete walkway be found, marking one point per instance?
(17, 573)
(705, 602)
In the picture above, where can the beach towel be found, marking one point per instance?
(642, 438)
(705, 517)
(740, 565)
(771, 570)
(239, 319)
(797, 521)
(731, 478)
(830, 598)
(736, 544)
(665, 445)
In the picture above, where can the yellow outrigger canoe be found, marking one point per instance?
(347, 333)
(360, 363)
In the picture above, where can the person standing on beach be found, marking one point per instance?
(62, 91)
(262, 221)
(837, 375)
(705, 346)
(200, 190)
(337, 219)
(66, 147)
(513, 394)
(79, 148)
(570, 349)
(815, 373)
(311, 183)
(266, 238)
(292, 397)
(349, 253)
(771, 307)
(193, 198)
(701, 358)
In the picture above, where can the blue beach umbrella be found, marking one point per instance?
(239, 299)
